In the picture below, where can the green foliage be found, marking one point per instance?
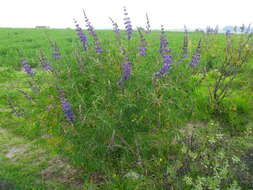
(163, 130)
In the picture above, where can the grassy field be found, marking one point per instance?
(189, 129)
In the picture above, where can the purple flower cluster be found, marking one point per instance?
(115, 28)
(92, 32)
(167, 58)
(47, 67)
(167, 61)
(163, 42)
(27, 68)
(126, 65)
(56, 52)
(128, 25)
(196, 57)
(148, 30)
(82, 36)
(44, 62)
(127, 70)
(143, 43)
(68, 113)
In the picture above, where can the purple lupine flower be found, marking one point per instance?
(167, 61)
(27, 68)
(167, 58)
(163, 42)
(44, 62)
(126, 65)
(143, 43)
(68, 112)
(128, 25)
(196, 57)
(92, 32)
(148, 30)
(47, 67)
(185, 44)
(127, 70)
(142, 51)
(81, 35)
(56, 52)
(115, 28)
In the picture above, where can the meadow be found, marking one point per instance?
(126, 110)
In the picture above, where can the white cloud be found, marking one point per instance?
(170, 13)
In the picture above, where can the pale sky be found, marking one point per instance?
(171, 13)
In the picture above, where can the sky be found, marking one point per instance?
(173, 14)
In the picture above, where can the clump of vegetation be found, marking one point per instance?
(134, 109)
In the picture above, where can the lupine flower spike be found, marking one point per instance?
(115, 29)
(81, 35)
(196, 57)
(128, 25)
(27, 68)
(126, 65)
(148, 30)
(143, 43)
(166, 66)
(163, 42)
(167, 58)
(68, 113)
(92, 32)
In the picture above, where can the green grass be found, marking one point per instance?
(165, 131)
(22, 163)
